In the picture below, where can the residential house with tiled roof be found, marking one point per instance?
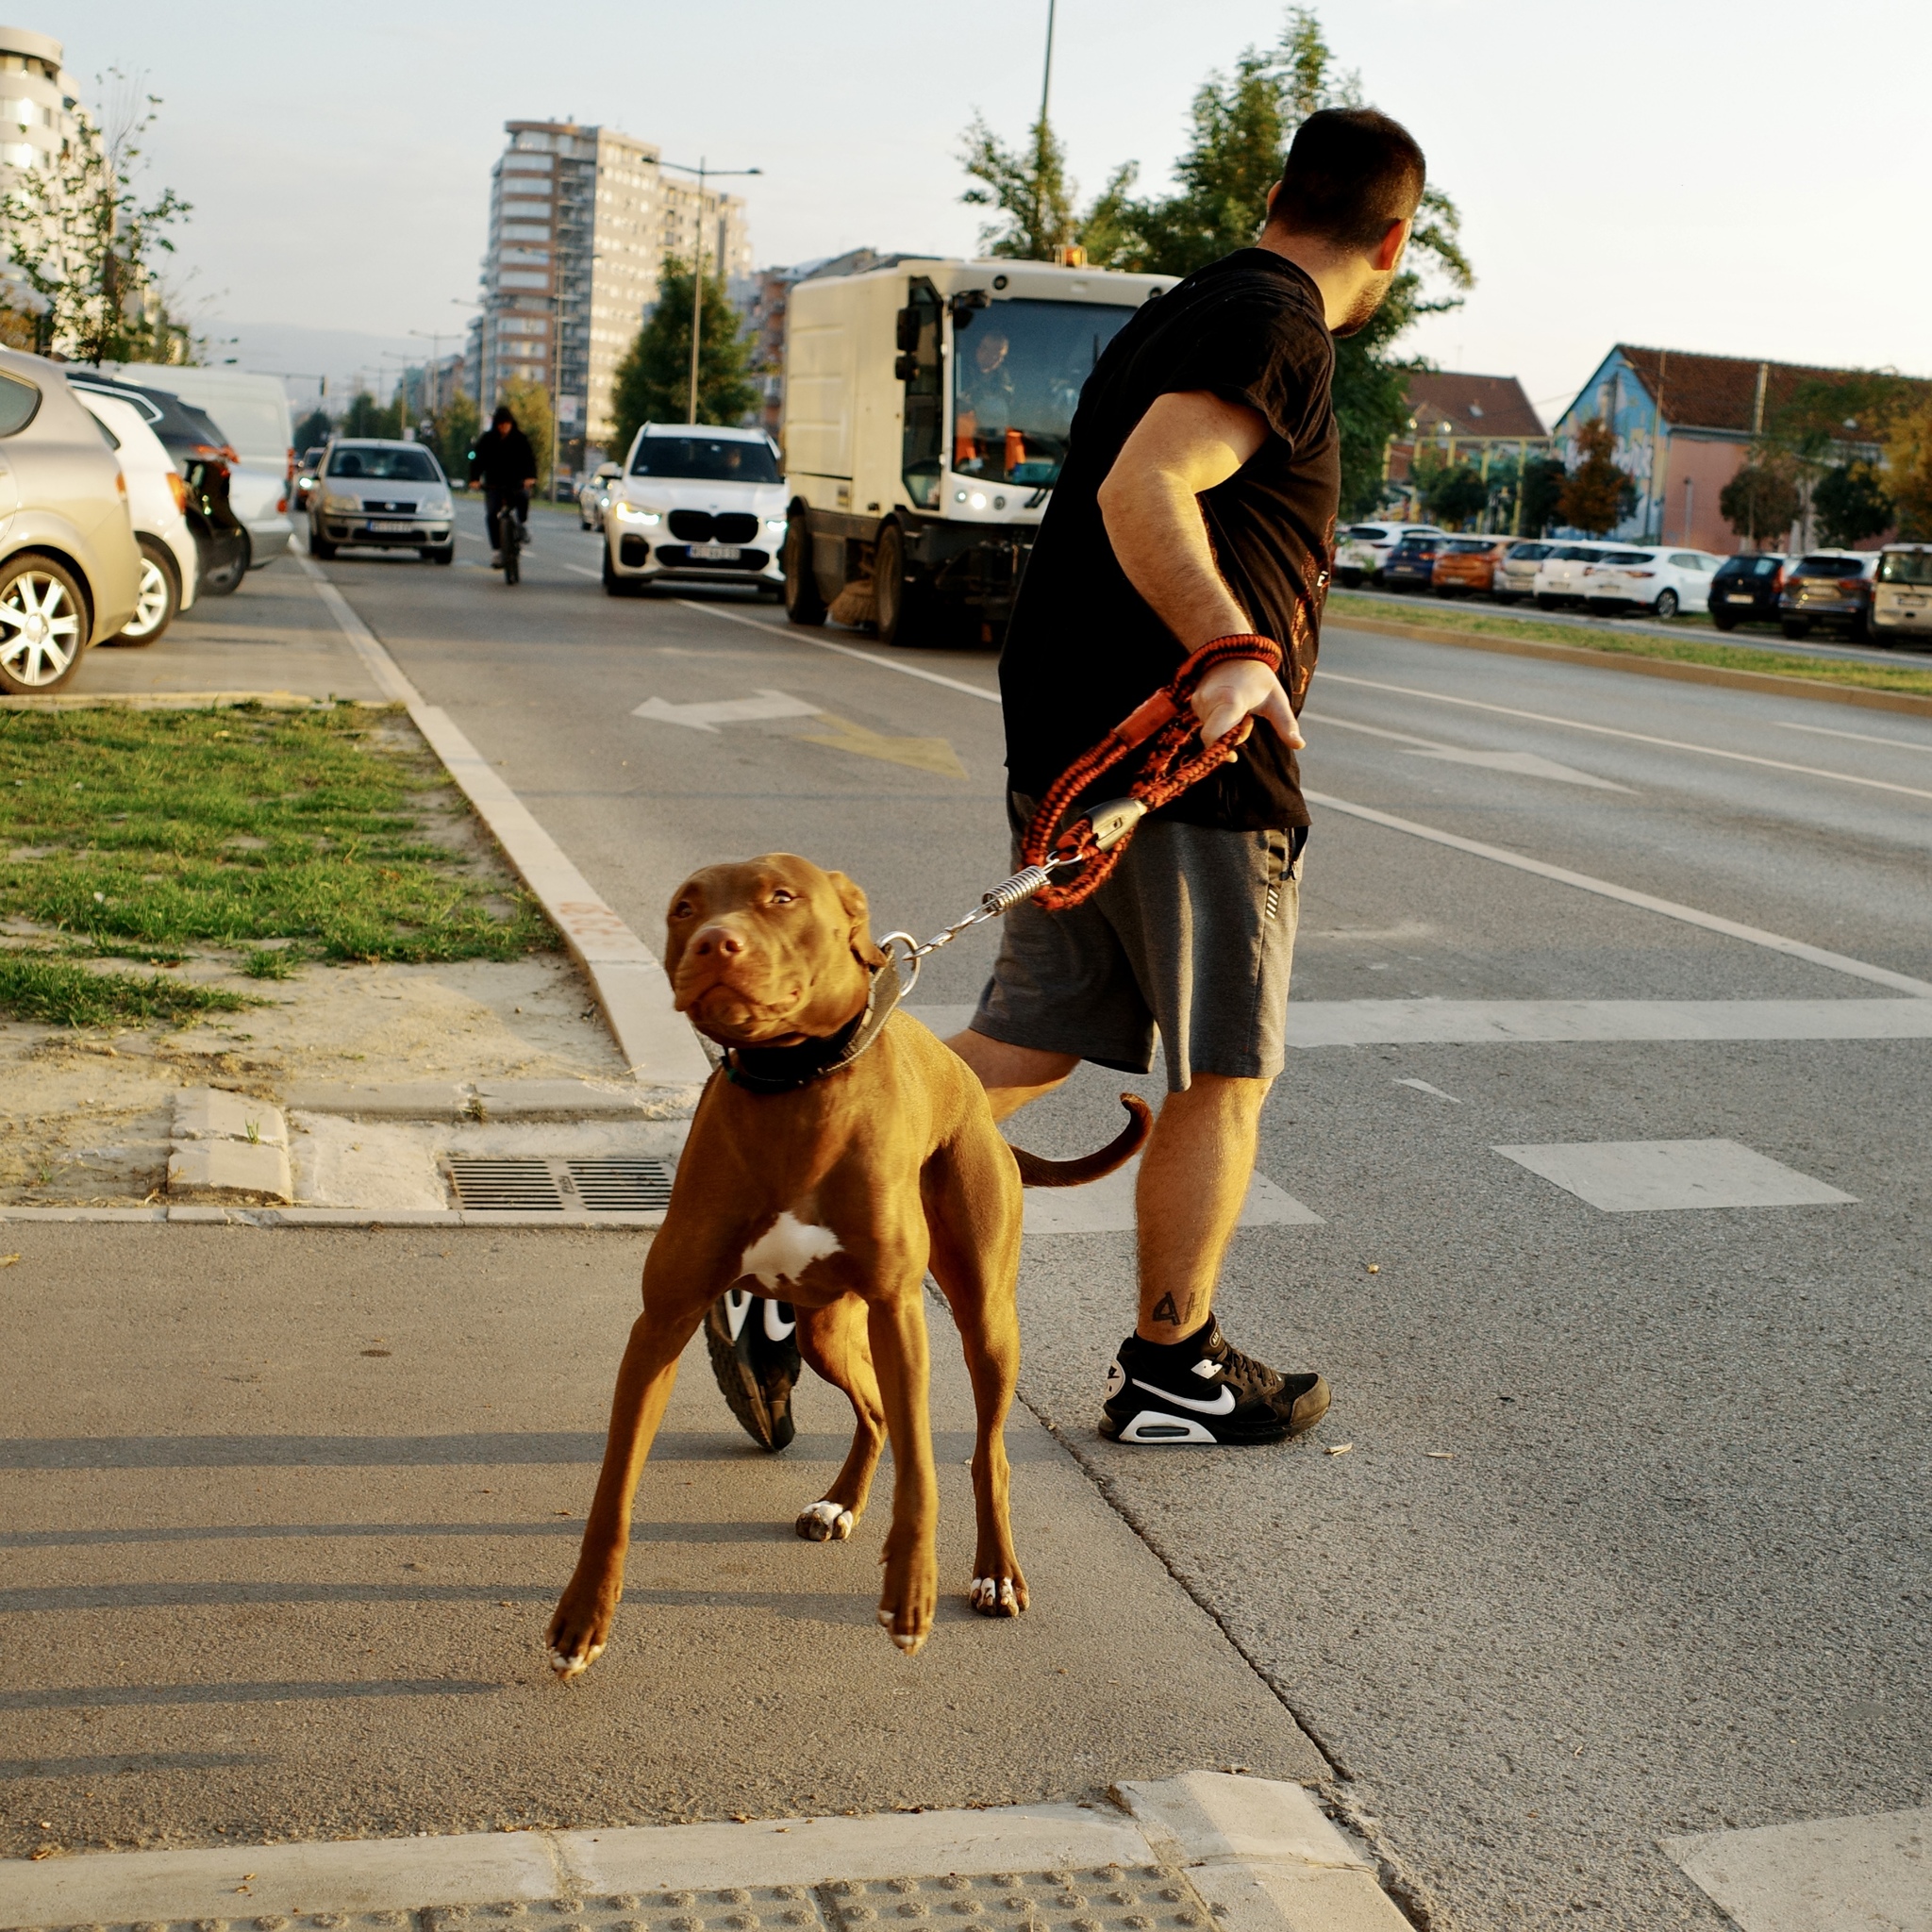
(1684, 425)
(1468, 419)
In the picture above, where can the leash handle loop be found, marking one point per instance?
(1168, 718)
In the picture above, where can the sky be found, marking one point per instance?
(1701, 175)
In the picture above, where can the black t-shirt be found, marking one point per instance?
(1084, 647)
(501, 462)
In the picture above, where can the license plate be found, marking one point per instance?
(715, 553)
(1738, 597)
(388, 529)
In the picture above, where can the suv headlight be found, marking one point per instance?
(775, 527)
(630, 514)
(342, 505)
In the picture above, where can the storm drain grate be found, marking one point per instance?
(621, 1186)
(538, 1184)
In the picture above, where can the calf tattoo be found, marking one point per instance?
(1164, 1310)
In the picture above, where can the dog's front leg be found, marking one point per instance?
(896, 1327)
(581, 1624)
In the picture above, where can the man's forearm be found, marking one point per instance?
(1154, 522)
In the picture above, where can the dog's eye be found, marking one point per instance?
(683, 909)
(780, 897)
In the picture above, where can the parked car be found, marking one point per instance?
(1411, 565)
(302, 487)
(1662, 582)
(157, 505)
(1828, 587)
(696, 504)
(1515, 577)
(1363, 549)
(594, 498)
(1745, 590)
(379, 494)
(1466, 566)
(220, 539)
(70, 569)
(257, 427)
(1558, 578)
(1902, 592)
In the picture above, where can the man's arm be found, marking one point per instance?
(1181, 448)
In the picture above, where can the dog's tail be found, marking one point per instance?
(1036, 1172)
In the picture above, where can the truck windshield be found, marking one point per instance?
(1018, 367)
(706, 459)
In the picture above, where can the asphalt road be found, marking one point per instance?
(1630, 1536)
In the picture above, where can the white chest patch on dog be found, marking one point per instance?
(787, 1249)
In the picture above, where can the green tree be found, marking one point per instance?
(1851, 505)
(1595, 496)
(1542, 489)
(1241, 125)
(315, 429)
(84, 242)
(1029, 187)
(365, 416)
(1455, 495)
(1908, 471)
(1761, 500)
(530, 403)
(455, 433)
(653, 382)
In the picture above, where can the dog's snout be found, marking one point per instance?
(717, 940)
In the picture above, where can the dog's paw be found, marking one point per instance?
(574, 1664)
(826, 1523)
(911, 1641)
(997, 1596)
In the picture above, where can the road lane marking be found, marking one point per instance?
(1529, 763)
(1668, 1177)
(1107, 1206)
(935, 755)
(1708, 751)
(582, 571)
(1605, 889)
(796, 634)
(707, 716)
(1313, 1024)
(1858, 737)
(1825, 1874)
(1423, 1086)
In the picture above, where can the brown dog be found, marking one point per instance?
(832, 1161)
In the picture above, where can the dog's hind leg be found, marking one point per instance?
(973, 1212)
(833, 1340)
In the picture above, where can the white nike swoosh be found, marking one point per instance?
(737, 1306)
(1221, 1405)
(776, 1326)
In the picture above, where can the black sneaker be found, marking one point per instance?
(755, 1358)
(1205, 1390)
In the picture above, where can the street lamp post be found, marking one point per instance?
(703, 173)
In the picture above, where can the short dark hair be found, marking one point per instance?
(1350, 171)
(503, 415)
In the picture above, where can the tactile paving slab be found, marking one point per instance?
(1112, 1899)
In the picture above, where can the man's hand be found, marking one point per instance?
(1245, 688)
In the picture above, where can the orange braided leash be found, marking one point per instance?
(1168, 718)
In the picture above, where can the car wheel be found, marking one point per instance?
(441, 553)
(1348, 579)
(43, 625)
(905, 608)
(1722, 622)
(1666, 604)
(802, 604)
(1544, 601)
(1795, 627)
(615, 586)
(160, 595)
(321, 549)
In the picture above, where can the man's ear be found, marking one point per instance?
(852, 899)
(1389, 249)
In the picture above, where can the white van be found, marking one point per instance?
(252, 411)
(1902, 591)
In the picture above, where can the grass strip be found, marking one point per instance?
(1915, 677)
(336, 832)
(55, 992)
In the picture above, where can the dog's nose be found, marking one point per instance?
(717, 939)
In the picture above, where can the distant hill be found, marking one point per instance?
(300, 355)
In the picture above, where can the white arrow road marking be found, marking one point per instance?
(1531, 764)
(707, 717)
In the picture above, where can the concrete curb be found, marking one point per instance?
(184, 701)
(1809, 688)
(625, 978)
(224, 1216)
(1261, 1855)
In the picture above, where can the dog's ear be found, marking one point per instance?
(852, 898)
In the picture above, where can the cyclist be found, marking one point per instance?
(506, 466)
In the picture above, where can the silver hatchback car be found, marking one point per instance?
(381, 495)
(70, 568)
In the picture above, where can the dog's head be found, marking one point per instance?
(770, 951)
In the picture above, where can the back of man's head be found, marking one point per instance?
(1350, 171)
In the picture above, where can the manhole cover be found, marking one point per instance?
(549, 1183)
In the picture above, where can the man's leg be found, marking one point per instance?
(1012, 1076)
(1193, 1179)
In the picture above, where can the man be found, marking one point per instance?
(506, 466)
(1197, 500)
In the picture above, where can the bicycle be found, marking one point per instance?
(509, 540)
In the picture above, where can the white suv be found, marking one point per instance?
(1362, 549)
(1661, 581)
(696, 504)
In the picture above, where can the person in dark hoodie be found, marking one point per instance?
(505, 464)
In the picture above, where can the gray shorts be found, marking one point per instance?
(1193, 936)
